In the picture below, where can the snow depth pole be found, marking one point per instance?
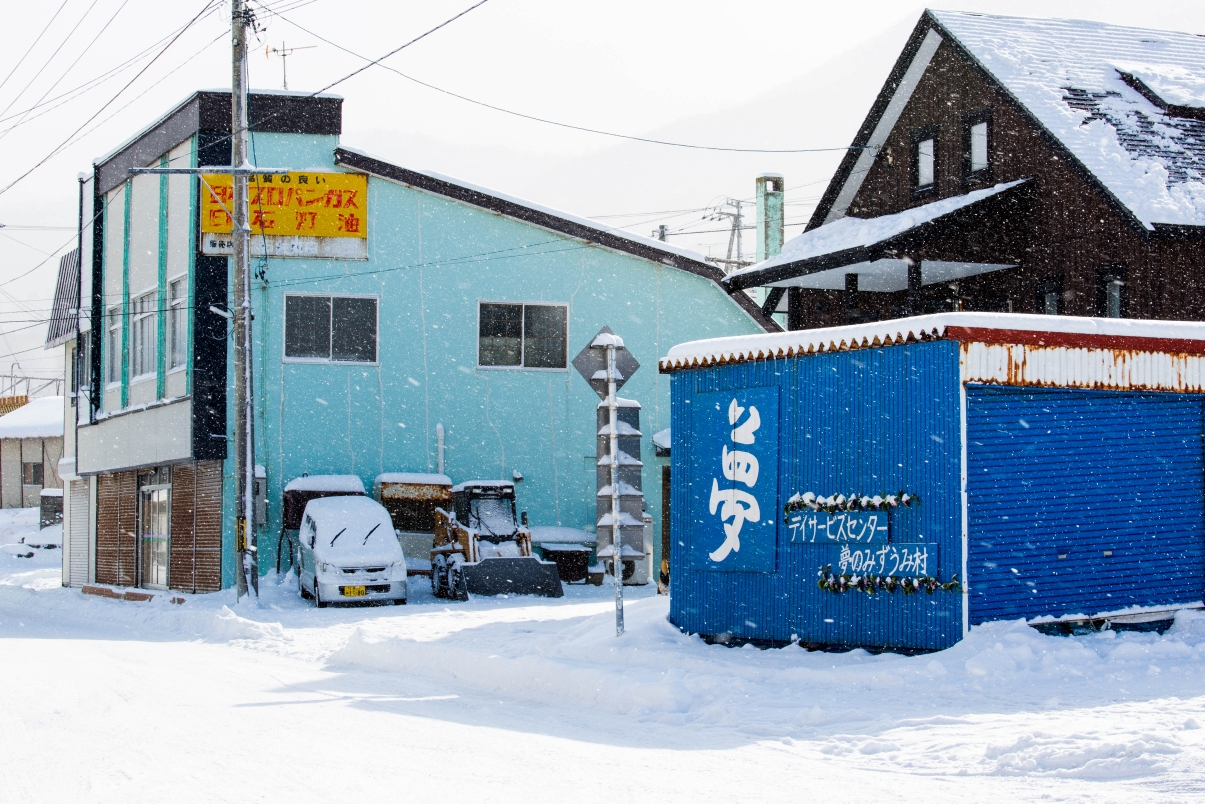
(245, 539)
(616, 538)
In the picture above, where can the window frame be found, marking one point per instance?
(177, 307)
(114, 347)
(284, 337)
(969, 121)
(37, 468)
(522, 335)
(1046, 286)
(1104, 278)
(149, 300)
(916, 137)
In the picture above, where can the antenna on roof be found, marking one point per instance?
(284, 53)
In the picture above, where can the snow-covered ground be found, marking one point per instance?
(536, 700)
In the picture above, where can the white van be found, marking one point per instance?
(348, 552)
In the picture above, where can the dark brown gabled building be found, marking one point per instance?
(1013, 165)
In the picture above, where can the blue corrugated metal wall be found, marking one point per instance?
(1077, 473)
(869, 421)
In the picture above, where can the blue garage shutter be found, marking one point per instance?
(1082, 502)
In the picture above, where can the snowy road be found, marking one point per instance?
(535, 700)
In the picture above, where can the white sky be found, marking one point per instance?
(778, 74)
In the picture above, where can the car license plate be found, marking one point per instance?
(354, 591)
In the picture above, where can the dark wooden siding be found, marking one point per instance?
(208, 525)
(1075, 229)
(116, 529)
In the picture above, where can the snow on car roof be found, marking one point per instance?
(417, 478)
(345, 484)
(1069, 75)
(38, 418)
(363, 529)
(918, 328)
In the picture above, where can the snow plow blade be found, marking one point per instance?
(517, 576)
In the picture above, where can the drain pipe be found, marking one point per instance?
(439, 439)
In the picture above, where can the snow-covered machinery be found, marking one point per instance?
(481, 548)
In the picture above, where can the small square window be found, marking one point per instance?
(534, 336)
(31, 473)
(334, 328)
(308, 326)
(1050, 296)
(500, 335)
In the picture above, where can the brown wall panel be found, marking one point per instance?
(116, 528)
(209, 526)
(182, 568)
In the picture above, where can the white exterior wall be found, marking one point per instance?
(159, 435)
(1066, 367)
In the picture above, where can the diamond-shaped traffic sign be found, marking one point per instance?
(591, 363)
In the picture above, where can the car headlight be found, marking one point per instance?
(324, 567)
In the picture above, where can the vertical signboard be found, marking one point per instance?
(734, 484)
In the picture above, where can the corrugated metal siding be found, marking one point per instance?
(77, 541)
(872, 421)
(1077, 473)
(1115, 369)
(116, 541)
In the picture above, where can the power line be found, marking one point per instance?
(71, 66)
(204, 10)
(34, 44)
(46, 64)
(560, 124)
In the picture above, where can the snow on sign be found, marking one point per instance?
(734, 488)
(292, 215)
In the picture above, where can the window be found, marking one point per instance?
(31, 473)
(177, 323)
(531, 336)
(924, 159)
(142, 335)
(83, 363)
(113, 347)
(1050, 296)
(978, 147)
(1110, 293)
(331, 328)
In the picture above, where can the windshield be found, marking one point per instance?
(492, 515)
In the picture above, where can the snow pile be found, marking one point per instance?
(340, 484)
(39, 418)
(413, 478)
(1066, 73)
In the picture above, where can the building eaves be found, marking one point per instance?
(562, 223)
(64, 313)
(1181, 337)
(209, 110)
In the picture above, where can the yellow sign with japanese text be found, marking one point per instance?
(290, 204)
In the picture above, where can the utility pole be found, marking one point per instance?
(246, 542)
(284, 53)
(736, 214)
(240, 170)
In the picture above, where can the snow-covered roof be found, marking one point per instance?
(1145, 334)
(1069, 75)
(555, 534)
(414, 478)
(661, 438)
(39, 418)
(341, 484)
(482, 484)
(850, 233)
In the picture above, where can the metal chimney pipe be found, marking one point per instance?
(770, 231)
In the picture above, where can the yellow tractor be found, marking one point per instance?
(480, 547)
